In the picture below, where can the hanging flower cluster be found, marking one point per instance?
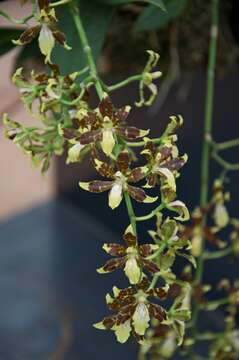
(69, 121)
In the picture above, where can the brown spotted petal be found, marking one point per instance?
(120, 115)
(143, 285)
(139, 194)
(124, 298)
(149, 265)
(213, 238)
(92, 119)
(131, 132)
(59, 37)
(123, 161)
(138, 174)
(109, 321)
(160, 293)
(147, 249)
(106, 107)
(114, 249)
(103, 168)
(112, 265)
(90, 137)
(175, 164)
(151, 181)
(43, 4)
(96, 186)
(28, 35)
(165, 152)
(157, 312)
(129, 237)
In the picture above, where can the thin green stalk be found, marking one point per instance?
(154, 281)
(151, 214)
(14, 20)
(225, 164)
(158, 252)
(123, 83)
(142, 143)
(130, 210)
(59, 3)
(227, 144)
(87, 49)
(207, 134)
(217, 254)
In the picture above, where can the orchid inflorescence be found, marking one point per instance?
(104, 135)
(156, 306)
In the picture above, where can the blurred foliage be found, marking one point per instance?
(177, 29)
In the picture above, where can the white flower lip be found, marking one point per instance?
(115, 194)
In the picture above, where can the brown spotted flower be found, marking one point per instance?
(106, 122)
(132, 257)
(119, 180)
(197, 230)
(46, 30)
(133, 310)
(164, 163)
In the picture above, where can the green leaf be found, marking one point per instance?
(6, 37)
(152, 19)
(96, 18)
(159, 3)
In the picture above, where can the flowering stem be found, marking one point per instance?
(123, 83)
(207, 135)
(130, 210)
(87, 49)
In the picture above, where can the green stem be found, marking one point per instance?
(87, 49)
(151, 214)
(158, 252)
(227, 144)
(207, 134)
(14, 20)
(123, 83)
(225, 164)
(154, 281)
(130, 210)
(217, 254)
(59, 3)
(209, 336)
(142, 143)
